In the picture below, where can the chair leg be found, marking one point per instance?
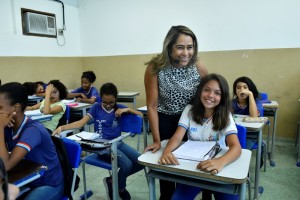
(84, 180)
(249, 188)
(265, 156)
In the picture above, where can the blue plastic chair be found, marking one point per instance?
(73, 150)
(131, 124)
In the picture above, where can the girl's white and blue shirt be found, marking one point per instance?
(205, 132)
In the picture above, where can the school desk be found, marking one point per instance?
(81, 110)
(25, 172)
(34, 115)
(257, 127)
(128, 97)
(114, 164)
(32, 100)
(270, 110)
(231, 179)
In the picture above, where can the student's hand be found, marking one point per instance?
(82, 96)
(213, 166)
(120, 111)
(49, 90)
(57, 131)
(168, 159)
(7, 120)
(154, 147)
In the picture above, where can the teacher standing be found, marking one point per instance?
(171, 80)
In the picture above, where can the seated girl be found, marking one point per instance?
(207, 119)
(245, 98)
(52, 104)
(23, 138)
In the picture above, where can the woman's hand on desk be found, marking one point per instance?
(154, 147)
(213, 166)
(168, 159)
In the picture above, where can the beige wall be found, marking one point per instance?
(275, 71)
(22, 69)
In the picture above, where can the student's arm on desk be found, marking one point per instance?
(91, 100)
(214, 166)
(151, 87)
(120, 111)
(168, 157)
(17, 154)
(74, 125)
(34, 107)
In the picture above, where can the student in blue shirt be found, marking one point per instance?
(86, 93)
(106, 116)
(245, 98)
(28, 139)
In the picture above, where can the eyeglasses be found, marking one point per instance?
(111, 103)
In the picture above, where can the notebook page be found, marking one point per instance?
(85, 135)
(33, 112)
(193, 150)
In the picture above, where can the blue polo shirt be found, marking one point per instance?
(93, 92)
(106, 123)
(35, 139)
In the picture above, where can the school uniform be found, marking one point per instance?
(108, 126)
(203, 132)
(93, 92)
(34, 138)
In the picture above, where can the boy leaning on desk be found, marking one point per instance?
(208, 118)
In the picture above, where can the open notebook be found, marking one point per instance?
(197, 150)
(33, 112)
(89, 140)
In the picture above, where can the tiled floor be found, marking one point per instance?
(281, 182)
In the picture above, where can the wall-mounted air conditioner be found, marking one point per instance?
(39, 24)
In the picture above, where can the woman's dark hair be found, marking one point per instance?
(3, 177)
(250, 84)
(16, 93)
(221, 112)
(89, 75)
(63, 92)
(109, 89)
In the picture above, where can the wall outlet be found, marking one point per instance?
(60, 31)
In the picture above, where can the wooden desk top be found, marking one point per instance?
(255, 126)
(273, 104)
(236, 172)
(24, 170)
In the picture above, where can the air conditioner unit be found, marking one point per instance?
(39, 24)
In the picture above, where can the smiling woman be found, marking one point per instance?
(171, 80)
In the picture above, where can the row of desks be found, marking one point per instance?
(125, 97)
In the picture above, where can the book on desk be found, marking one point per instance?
(197, 150)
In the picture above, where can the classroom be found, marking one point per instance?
(258, 39)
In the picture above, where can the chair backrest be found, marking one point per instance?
(263, 96)
(65, 118)
(242, 133)
(73, 151)
(131, 123)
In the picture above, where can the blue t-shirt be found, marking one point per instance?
(245, 111)
(34, 137)
(93, 92)
(106, 123)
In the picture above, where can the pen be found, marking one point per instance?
(79, 137)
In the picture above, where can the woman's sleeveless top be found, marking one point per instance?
(176, 88)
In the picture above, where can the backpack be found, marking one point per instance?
(67, 170)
